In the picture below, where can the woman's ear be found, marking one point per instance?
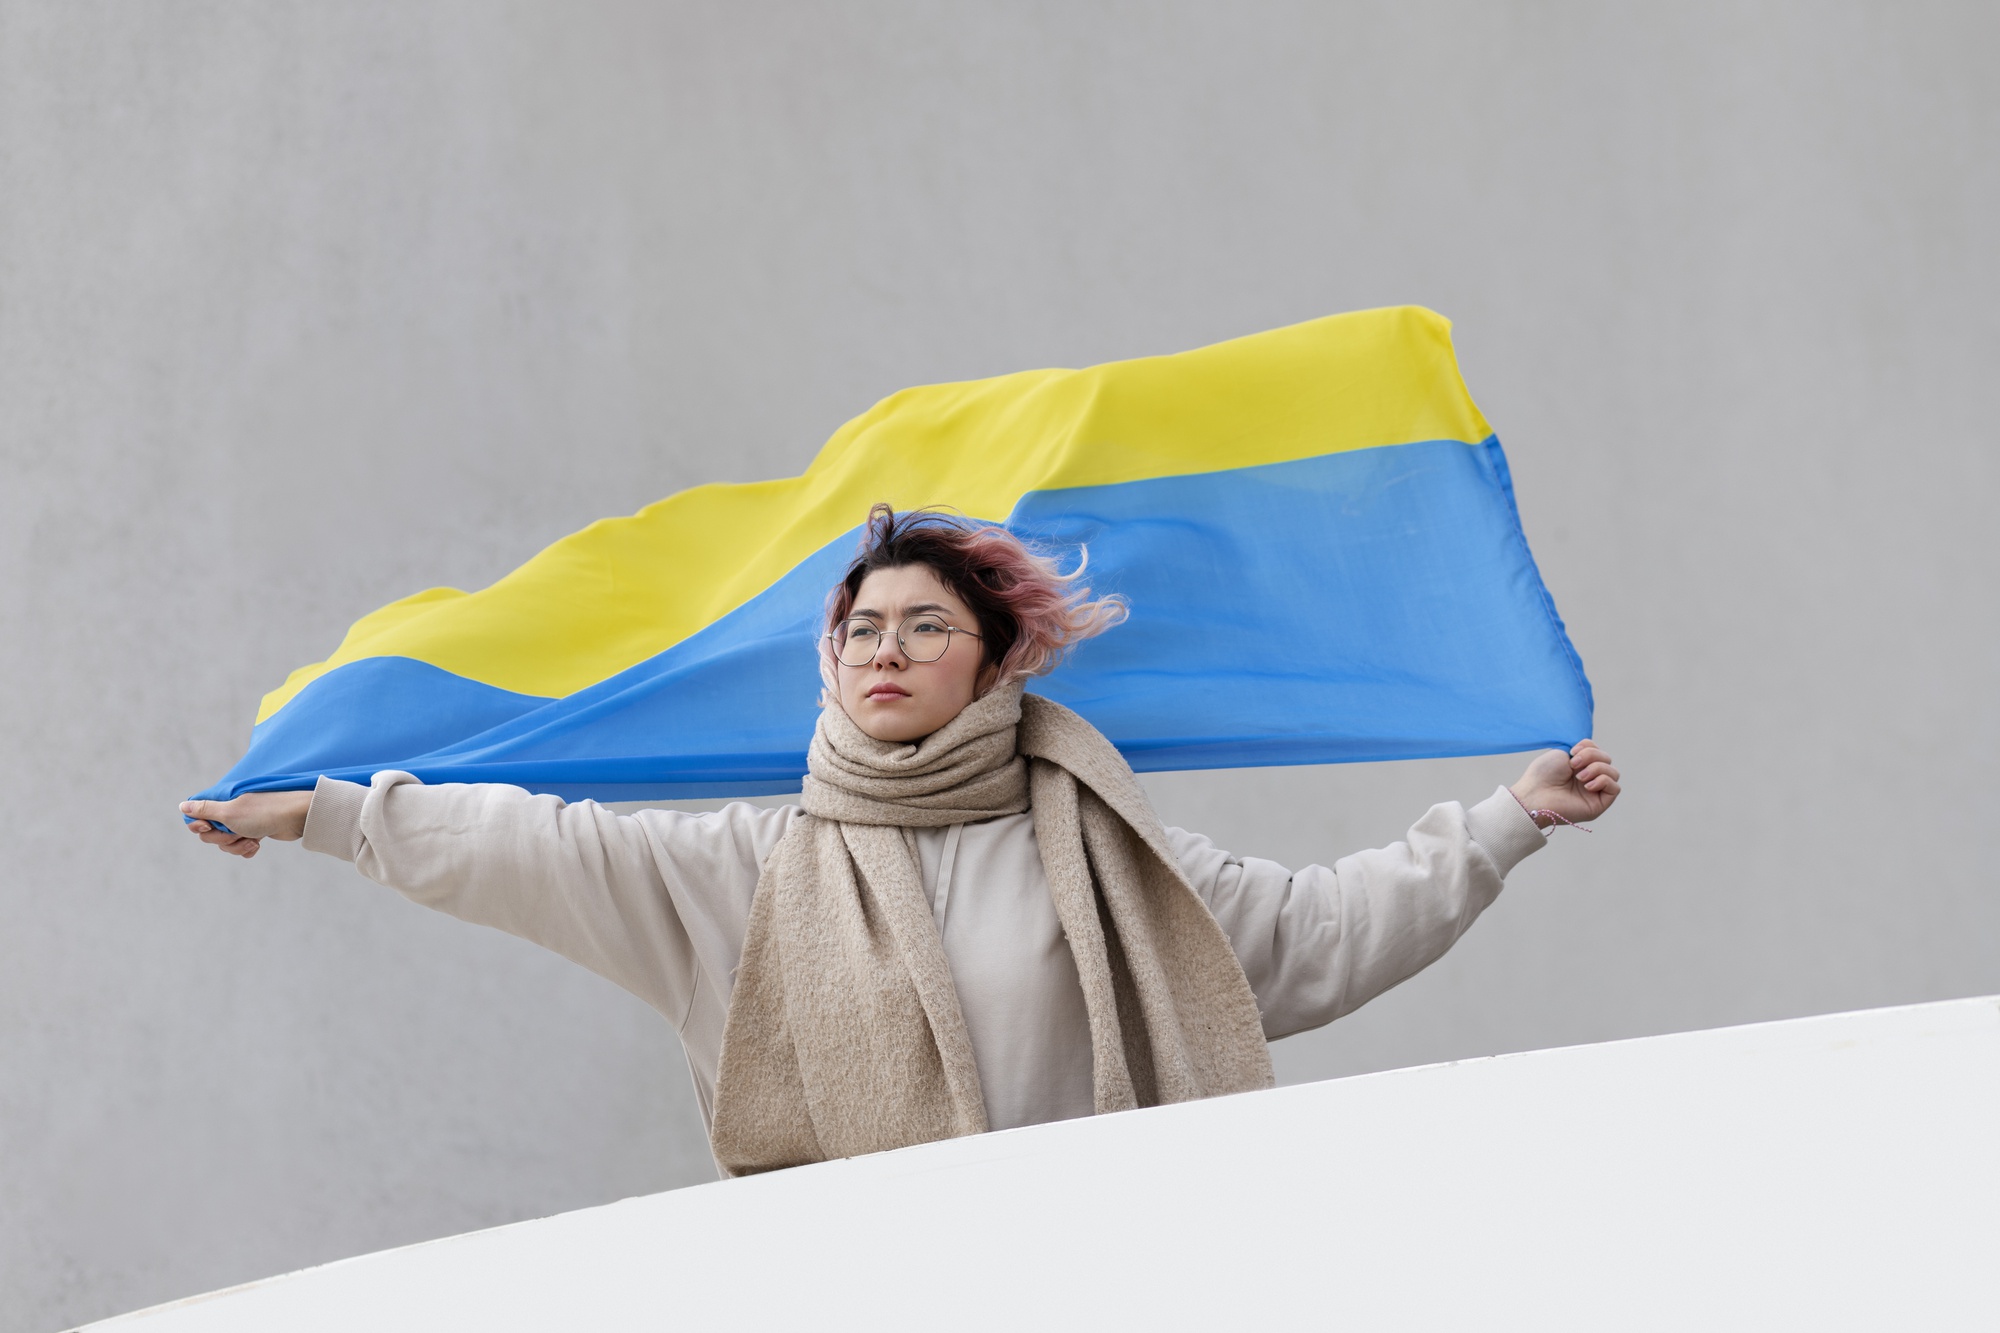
(829, 678)
(989, 676)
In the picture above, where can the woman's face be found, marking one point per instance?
(894, 698)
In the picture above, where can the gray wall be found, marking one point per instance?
(305, 306)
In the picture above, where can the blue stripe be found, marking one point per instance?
(1376, 604)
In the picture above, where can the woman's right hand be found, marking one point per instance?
(251, 817)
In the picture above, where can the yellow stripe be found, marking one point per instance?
(625, 589)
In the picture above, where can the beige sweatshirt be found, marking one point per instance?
(658, 902)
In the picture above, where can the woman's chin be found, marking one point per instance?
(894, 720)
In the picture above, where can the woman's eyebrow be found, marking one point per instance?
(917, 609)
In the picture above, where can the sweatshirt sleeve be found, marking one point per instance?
(578, 878)
(1321, 942)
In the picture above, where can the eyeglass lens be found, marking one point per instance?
(923, 639)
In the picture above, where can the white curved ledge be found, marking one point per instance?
(1834, 1172)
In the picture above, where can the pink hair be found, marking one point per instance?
(1030, 614)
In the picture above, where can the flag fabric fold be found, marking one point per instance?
(1315, 528)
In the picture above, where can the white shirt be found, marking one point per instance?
(659, 902)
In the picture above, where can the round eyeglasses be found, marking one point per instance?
(922, 638)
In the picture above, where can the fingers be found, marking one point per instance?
(1592, 768)
(208, 820)
(1586, 751)
(233, 843)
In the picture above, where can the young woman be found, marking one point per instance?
(972, 919)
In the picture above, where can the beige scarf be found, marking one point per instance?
(844, 1034)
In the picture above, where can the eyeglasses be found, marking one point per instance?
(922, 639)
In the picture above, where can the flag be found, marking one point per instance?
(1314, 526)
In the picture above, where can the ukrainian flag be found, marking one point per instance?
(1314, 526)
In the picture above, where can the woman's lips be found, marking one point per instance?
(887, 691)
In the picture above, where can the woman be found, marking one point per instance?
(973, 919)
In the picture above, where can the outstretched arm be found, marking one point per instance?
(656, 902)
(1321, 942)
(578, 879)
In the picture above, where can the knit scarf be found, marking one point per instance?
(844, 1034)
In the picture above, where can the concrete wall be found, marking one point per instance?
(303, 307)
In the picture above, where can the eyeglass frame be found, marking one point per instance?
(949, 630)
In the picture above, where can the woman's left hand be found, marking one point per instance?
(1579, 786)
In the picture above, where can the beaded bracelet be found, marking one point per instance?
(1559, 818)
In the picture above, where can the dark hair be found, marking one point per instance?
(1028, 613)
